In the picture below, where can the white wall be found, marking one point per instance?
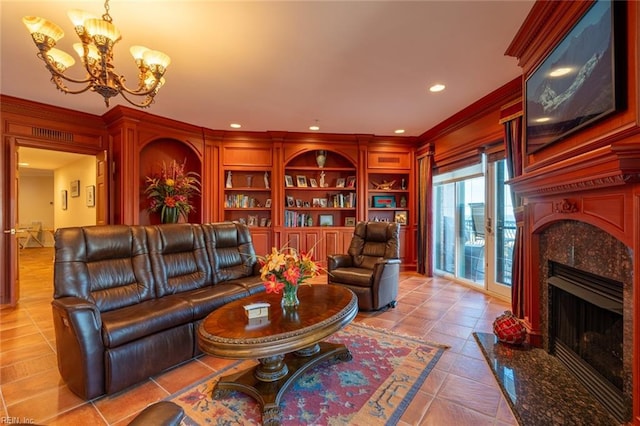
(77, 213)
(36, 204)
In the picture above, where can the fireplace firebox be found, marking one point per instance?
(586, 332)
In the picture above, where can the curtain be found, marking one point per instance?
(425, 181)
(513, 144)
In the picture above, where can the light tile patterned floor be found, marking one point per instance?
(461, 390)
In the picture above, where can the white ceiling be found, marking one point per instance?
(355, 66)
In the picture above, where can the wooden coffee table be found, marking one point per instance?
(286, 344)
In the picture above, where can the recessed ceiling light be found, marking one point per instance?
(399, 131)
(235, 125)
(314, 127)
(23, 164)
(437, 88)
(542, 119)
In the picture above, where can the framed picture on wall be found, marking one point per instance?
(75, 188)
(580, 81)
(91, 196)
(63, 199)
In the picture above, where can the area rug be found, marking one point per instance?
(374, 388)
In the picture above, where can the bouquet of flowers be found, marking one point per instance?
(170, 192)
(287, 269)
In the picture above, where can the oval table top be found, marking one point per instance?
(323, 310)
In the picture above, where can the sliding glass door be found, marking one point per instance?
(473, 226)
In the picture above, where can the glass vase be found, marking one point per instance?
(290, 296)
(170, 215)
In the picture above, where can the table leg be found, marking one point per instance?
(269, 393)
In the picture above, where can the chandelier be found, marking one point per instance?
(97, 36)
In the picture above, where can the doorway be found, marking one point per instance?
(55, 189)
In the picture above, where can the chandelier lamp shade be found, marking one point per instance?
(97, 36)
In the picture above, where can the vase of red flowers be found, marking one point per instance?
(286, 270)
(171, 192)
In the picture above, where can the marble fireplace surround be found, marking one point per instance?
(588, 248)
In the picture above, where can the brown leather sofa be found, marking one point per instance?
(128, 299)
(371, 268)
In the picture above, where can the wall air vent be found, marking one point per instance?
(52, 134)
(388, 160)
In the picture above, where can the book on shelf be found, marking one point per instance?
(239, 201)
(296, 219)
(344, 201)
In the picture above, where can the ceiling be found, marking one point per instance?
(349, 66)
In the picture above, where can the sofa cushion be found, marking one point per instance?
(134, 322)
(230, 250)
(106, 266)
(252, 284)
(204, 300)
(360, 277)
(178, 258)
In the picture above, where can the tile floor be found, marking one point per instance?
(461, 390)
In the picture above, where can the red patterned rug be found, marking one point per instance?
(374, 388)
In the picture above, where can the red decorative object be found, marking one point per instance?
(509, 329)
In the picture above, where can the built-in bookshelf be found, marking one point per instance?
(388, 197)
(320, 193)
(247, 197)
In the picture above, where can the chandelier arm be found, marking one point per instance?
(146, 103)
(138, 92)
(52, 69)
(63, 88)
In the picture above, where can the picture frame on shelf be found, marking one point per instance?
(351, 182)
(325, 220)
(75, 188)
(288, 181)
(301, 181)
(350, 221)
(316, 202)
(91, 196)
(323, 203)
(298, 203)
(313, 182)
(263, 222)
(267, 203)
(382, 201)
(340, 182)
(252, 220)
(291, 202)
(400, 217)
(268, 223)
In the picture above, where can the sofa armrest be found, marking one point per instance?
(386, 276)
(80, 349)
(335, 261)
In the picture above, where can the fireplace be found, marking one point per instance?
(586, 332)
(589, 286)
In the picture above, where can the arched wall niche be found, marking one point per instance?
(152, 156)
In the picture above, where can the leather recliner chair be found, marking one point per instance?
(371, 268)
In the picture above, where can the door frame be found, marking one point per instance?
(9, 285)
